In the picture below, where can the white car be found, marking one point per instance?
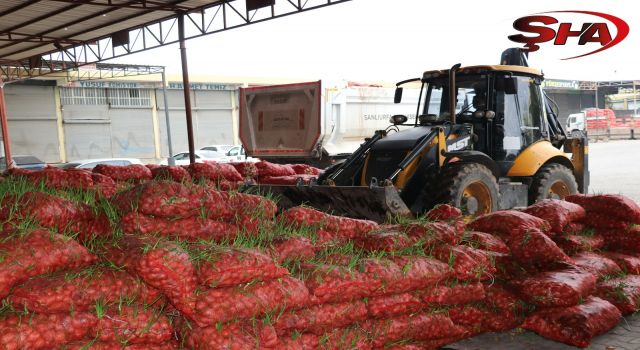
(237, 154)
(91, 163)
(182, 158)
(218, 148)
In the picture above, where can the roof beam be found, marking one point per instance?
(83, 19)
(213, 18)
(137, 4)
(18, 8)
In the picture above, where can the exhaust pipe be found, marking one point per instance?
(452, 91)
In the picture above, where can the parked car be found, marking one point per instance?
(182, 158)
(91, 163)
(237, 154)
(218, 148)
(24, 162)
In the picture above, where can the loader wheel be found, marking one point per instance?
(470, 187)
(554, 181)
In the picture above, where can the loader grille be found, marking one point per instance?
(382, 163)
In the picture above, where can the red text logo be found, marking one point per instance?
(598, 31)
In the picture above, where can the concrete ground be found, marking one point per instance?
(615, 168)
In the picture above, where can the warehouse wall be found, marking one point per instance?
(105, 123)
(212, 114)
(32, 120)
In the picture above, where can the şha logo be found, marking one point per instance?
(597, 31)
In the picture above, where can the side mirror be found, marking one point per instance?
(397, 98)
(511, 85)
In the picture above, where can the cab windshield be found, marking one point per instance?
(471, 96)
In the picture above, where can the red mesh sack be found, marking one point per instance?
(190, 229)
(350, 338)
(305, 217)
(133, 325)
(573, 228)
(299, 342)
(575, 325)
(36, 253)
(503, 310)
(92, 344)
(44, 332)
(419, 326)
(79, 290)
(467, 263)
(293, 248)
(556, 212)
(433, 234)
(623, 292)
(222, 267)
(162, 265)
(173, 173)
(44, 209)
(507, 222)
(319, 319)
(453, 293)
(250, 300)
(216, 206)
(337, 283)
(133, 172)
(344, 228)
(237, 335)
(604, 221)
(628, 263)
(252, 205)
(444, 212)
(556, 288)
(90, 227)
(532, 247)
(305, 169)
(485, 241)
(384, 240)
(627, 240)
(246, 169)
(467, 315)
(571, 243)
(270, 169)
(104, 185)
(612, 205)
(286, 180)
(57, 178)
(598, 265)
(213, 171)
(169, 199)
(393, 305)
(400, 274)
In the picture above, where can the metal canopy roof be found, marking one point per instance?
(42, 36)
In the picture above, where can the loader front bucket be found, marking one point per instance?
(373, 203)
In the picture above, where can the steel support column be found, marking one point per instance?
(186, 89)
(170, 159)
(5, 129)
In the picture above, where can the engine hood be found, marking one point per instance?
(402, 140)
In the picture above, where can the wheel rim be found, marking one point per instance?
(476, 199)
(558, 190)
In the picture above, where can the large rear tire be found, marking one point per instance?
(554, 181)
(470, 187)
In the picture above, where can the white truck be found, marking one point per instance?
(576, 124)
(309, 123)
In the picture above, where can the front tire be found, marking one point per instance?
(554, 181)
(470, 187)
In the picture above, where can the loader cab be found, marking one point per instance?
(503, 109)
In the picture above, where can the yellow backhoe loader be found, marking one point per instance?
(485, 138)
